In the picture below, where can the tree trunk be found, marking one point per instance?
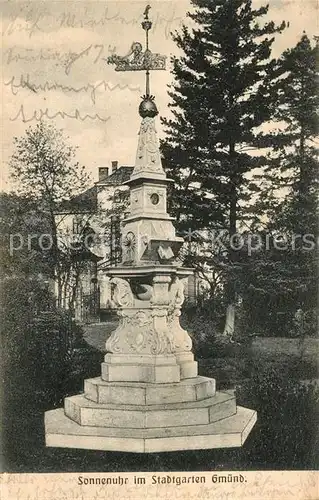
(55, 257)
(229, 328)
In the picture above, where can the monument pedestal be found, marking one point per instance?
(145, 403)
(149, 417)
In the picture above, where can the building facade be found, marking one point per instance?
(90, 223)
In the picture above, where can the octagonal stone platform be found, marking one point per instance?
(146, 417)
(229, 432)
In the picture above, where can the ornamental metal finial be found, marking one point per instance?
(147, 8)
(137, 60)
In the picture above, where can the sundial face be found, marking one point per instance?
(129, 246)
(129, 239)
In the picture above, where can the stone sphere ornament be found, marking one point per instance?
(143, 291)
(148, 107)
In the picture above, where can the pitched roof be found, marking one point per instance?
(120, 175)
(82, 203)
(86, 202)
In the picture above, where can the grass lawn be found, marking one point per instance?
(235, 366)
(96, 334)
(266, 376)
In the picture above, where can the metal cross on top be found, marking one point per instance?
(137, 60)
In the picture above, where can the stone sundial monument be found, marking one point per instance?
(149, 397)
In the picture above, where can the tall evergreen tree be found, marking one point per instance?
(293, 164)
(221, 96)
(293, 172)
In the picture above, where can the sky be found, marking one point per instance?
(53, 65)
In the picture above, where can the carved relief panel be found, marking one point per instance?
(149, 317)
(137, 200)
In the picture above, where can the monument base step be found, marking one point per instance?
(191, 389)
(205, 411)
(152, 373)
(148, 368)
(62, 432)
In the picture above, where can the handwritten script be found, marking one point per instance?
(17, 84)
(16, 54)
(42, 69)
(38, 115)
(40, 20)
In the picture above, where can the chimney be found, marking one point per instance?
(114, 166)
(103, 173)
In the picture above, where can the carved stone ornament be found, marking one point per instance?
(176, 292)
(129, 247)
(160, 291)
(142, 291)
(137, 331)
(183, 341)
(154, 198)
(162, 341)
(148, 155)
(156, 230)
(165, 253)
(136, 198)
(122, 295)
(143, 331)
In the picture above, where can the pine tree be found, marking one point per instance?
(221, 96)
(293, 167)
(293, 164)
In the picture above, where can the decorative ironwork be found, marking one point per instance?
(115, 247)
(139, 60)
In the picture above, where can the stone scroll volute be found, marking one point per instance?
(182, 340)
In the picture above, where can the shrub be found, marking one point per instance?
(37, 339)
(203, 333)
(45, 360)
(205, 326)
(286, 432)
